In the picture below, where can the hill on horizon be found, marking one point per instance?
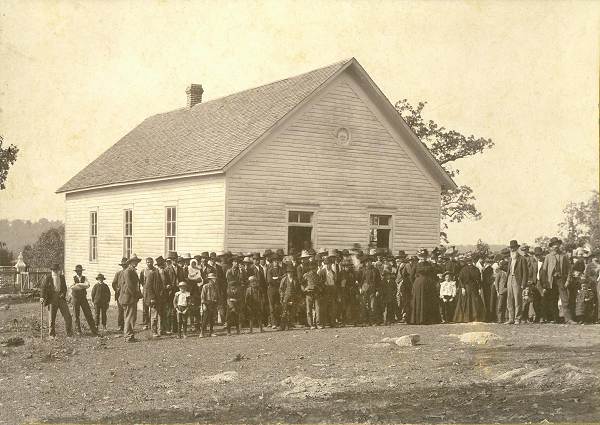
(18, 233)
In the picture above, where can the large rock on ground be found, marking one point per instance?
(404, 341)
(565, 376)
(479, 338)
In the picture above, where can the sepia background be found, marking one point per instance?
(77, 76)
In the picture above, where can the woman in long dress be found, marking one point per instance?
(469, 304)
(424, 303)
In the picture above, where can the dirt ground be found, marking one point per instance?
(532, 373)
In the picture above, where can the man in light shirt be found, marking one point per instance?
(53, 294)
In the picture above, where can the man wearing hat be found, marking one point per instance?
(80, 303)
(555, 271)
(117, 282)
(403, 285)
(169, 280)
(53, 294)
(154, 297)
(289, 290)
(311, 286)
(329, 295)
(129, 296)
(370, 283)
(101, 300)
(517, 270)
(273, 281)
(221, 283)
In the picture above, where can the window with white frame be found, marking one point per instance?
(127, 233)
(380, 230)
(93, 235)
(171, 229)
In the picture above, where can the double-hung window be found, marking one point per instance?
(171, 229)
(127, 233)
(93, 249)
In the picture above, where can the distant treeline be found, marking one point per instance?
(18, 233)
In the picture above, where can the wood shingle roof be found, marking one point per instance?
(201, 139)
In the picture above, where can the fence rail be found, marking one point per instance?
(12, 281)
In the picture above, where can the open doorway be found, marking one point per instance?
(299, 238)
(300, 230)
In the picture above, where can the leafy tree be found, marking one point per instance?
(6, 256)
(482, 248)
(7, 158)
(581, 223)
(447, 146)
(542, 242)
(49, 249)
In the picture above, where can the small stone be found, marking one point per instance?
(407, 340)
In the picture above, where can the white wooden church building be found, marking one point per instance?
(320, 159)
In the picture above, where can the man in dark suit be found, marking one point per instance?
(154, 296)
(53, 293)
(555, 269)
(517, 270)
(116, 284)
(129, 294)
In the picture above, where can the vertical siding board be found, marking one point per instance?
(302, 164)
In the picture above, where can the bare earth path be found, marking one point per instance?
(533, 373)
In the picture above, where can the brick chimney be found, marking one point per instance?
(194, 94)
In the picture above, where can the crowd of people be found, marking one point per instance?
(334, 288)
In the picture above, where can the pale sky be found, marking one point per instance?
(77, 76)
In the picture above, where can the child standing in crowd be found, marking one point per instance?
(101, 299)
(181, 304)
(500, 281)
(253, 301)
(527, 295)
(584, 298)
(447, 297)
(209, 299)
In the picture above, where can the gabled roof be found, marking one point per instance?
(209, 136)
(200, 139)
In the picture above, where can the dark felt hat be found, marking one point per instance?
(538, 251)
(134, 259)
(123, 261)
(514, 244)
(100, 276)
(554, 241)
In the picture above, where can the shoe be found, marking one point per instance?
(201, 335)
(313, 327)
(145, 327)
(518, 322)
(130, 339)
(155, 335)
(273, 327)
(119, 329)
(508, 322)
(571, 322)
(168, 333)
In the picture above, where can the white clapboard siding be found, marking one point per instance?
(301, 165)
(200, 203)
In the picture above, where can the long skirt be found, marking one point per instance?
(469, 306)
(424, 308)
